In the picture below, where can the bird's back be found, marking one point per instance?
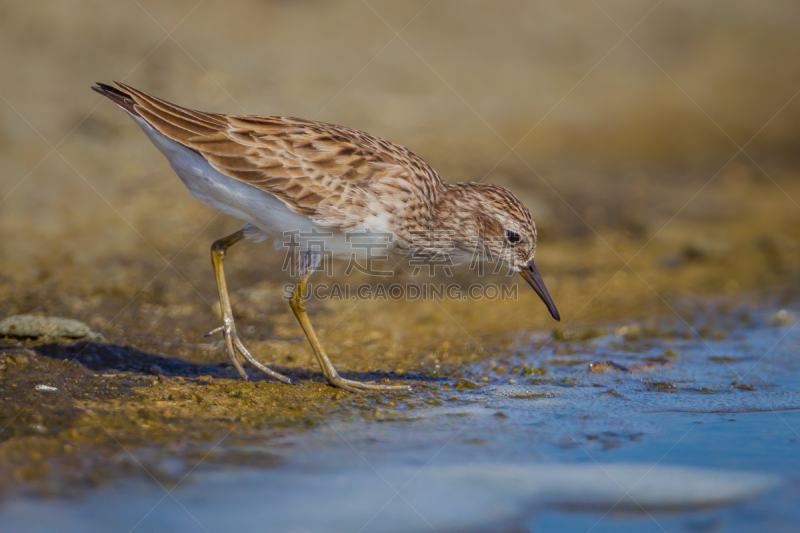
(336, 176)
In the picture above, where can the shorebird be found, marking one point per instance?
(281, 174)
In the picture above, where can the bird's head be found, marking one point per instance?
(502, 226)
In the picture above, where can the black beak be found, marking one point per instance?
(531, 275)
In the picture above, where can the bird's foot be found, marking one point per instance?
(234, 344)
(361, 387)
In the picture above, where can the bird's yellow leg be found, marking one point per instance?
(228, 328)
(298, 303)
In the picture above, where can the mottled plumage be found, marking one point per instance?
(280, 174)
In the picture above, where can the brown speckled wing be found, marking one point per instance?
(319, 170)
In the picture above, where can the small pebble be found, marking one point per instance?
(35, 327)
(155, 370)
(631, 332)
(466, 384)
(19, 358)
(606, 366)
(782, 318)
(46, 388)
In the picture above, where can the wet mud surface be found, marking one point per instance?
(77, 413)
(564, 425)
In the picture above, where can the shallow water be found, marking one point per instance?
(676, 434)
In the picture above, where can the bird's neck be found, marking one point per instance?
(456, 213)
(450, 207)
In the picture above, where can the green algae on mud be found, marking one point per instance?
(87, 426)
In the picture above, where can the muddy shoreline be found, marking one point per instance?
(154, 393)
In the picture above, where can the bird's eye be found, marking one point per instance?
(512, 237)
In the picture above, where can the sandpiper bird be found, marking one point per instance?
(282, 174)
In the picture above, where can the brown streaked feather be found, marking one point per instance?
(313, 167)
(143, 99)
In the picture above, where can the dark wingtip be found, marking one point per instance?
(99, 86)
(119, 97)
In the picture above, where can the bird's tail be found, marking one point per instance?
(121, 98)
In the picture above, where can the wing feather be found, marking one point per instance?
(313, 167)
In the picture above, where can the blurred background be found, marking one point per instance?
(651, 133)
(655, 142)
